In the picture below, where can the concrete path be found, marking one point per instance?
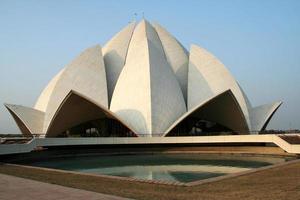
(25, 189)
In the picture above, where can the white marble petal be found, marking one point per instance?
(114, 55)
(86, 75)
(147, 95)
(42, 102)
(77, 109)
(207, 76)
(222, 108)
(261, 115)
(177, 56)
(29, 120)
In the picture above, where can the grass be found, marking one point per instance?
(276, 183)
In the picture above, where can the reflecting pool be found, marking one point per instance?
(171, 167)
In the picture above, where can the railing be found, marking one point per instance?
(8, 139)
(224, 133)
(37, 142)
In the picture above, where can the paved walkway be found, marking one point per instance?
(24, 189)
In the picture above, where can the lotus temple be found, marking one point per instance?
(143, 116)
(142, 83)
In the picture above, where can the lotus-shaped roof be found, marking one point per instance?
(145, 79)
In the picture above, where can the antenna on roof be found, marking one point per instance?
(143, 15)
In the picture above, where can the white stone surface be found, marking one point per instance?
(42, 102)
(76, 109)
(247, 101)
(29, 120)
(86, 75)
(221, 108)
(114, 55)
(148, 80)
(261, 115)
(147, 95)
(207, 76)
(176, 55)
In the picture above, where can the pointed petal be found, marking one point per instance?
(260, 116)
(207, 76)
(223, 108)
(42, 102)
(86, 75)
(177, 56)
(29, 120)
(114, 55)
(76, 109)
(147, 95)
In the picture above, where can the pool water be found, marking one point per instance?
(170, 167)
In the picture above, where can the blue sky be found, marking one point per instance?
(257, 40)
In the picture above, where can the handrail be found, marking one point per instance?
(36, 142)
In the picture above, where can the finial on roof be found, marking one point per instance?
(135, 16)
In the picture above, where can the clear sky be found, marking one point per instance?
(257, 40)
